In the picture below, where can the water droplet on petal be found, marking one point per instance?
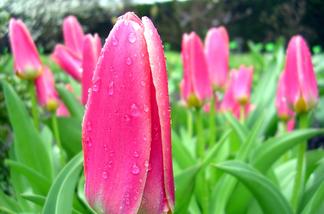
(126, 118)
(114, 40)
(135, 169)
(142, 83)
(134, 110)
(89, 141)
(132, 37)
(88, 126)
(105, 175)
(146, 108)
(136, 155)
(129, 61)
(111, 88)
(96, 85)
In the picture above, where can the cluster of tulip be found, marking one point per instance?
(207, 77)
(126, 128)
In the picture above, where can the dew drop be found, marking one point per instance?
(114, 40)
(146, 164)
(132, 37)
(134, 110)
(146, 108)
(142, 83)
(88, 126)
(126, 118)
(96, 84)
(104, 175)
(111, 88)
(89, 141)
(136, 155)
(135, 169)
(129, 61)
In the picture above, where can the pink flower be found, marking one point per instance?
(291, 125)
(62, 111)
(242, 83)
(300, 79)
(73, 35)
(195, 86)
(27, 63)
(46, 91)
(283, 110)
(217, 56)
(91, 52)
(68, 61)
(126, 128)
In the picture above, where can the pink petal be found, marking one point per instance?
(198, 67)
(46, 91)
(117, 123)
(62, 111)
(26, 59)
(217, 56)
(283, 110)
(73, 35)
(186, 84)
(242, 84)
(159, 187)
(67, 61)
(91, 52)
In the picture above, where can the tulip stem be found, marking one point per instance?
(300, 169)
(242, 113)
(200, 145)
(56, 131)
(212, 126)
(31, 88)
(189, 122)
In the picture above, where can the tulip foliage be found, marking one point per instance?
(119, 128)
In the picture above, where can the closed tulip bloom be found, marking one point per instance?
(73, 35)
(46, 91)
(300, 79)
(283, 110)
(91, 52)
(27, 63)
(242, 84)
(195, 86)
(68, 61)
(126, 128)
(217, 56)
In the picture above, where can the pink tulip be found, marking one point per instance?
(195, 86)
(46, 91)
(126, 128)
(283, 110)
(91, 52)
(27, 63)
(291, 124)
(217, 56)
(242, 82)
(67, 61)
(300, 79)
(62, 111)
(73, 35)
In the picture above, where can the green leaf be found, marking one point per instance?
(82, 197)
(8, 203)
(74, 106)
(238, 128)
(181, 155)
(273, 148)
(185, 183)
(28, 146)
(36, 199)
(39, 183)
(60, 197)
(267, 195)
(315, 202)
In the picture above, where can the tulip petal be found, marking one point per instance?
(159, 188)
(91, 52)
(67, 61)
(73, 35)
(186, 84)
(117, 127)
(26, 58)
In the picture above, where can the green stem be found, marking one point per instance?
(56, 131)
(212, 125)
(31, 89)
(200, 146)
(189, 122)
(300, 170)
(242, 113)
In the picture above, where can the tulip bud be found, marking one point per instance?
(73, 35)
(91, 52)
(46, 91)
(242, 82)
(283, 110)
(195, 86)
(217, 56)
(126, 132)
(68, 61)
(27, 63)
(300, 79)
